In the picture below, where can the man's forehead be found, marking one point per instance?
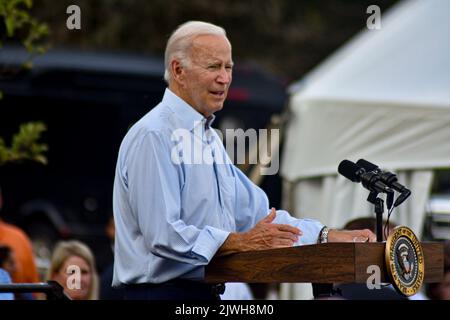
(211, 55)
(209, 38)
(211, 43)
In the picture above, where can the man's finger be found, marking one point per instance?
(289, 228)
(360, 239)
(282, 243)
(287, 235)
(271, 216)
(370, 235)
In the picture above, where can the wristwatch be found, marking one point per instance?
(323, 236)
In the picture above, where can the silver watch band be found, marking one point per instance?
(323, 237)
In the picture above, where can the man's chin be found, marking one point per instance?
(218, 108)
(214, 108)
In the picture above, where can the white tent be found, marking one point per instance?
(384, 97)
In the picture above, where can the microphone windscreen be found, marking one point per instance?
(349, 169)
(368, 166)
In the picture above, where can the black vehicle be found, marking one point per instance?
(88, 101)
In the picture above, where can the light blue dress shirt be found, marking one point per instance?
(172, 211)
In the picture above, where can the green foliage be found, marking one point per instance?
(16, 22)
(25, 145)
(19, 24)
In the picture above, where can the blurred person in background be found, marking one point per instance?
(8, 263)
(441, 290)
(10, 235)
(7, 259)
(66, 256)
(368, 223)
(7, 267)
(5, 279)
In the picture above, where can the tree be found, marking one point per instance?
(16, 23)
(19, 24)
(24, 145)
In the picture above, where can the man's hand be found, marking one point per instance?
(264, 235)
(351, 236)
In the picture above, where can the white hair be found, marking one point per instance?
(181, 39)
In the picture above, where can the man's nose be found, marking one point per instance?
(224, 76)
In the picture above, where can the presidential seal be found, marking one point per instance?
(404, 261)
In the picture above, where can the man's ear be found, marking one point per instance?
(177, 71)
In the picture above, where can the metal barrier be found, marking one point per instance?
(52, 289)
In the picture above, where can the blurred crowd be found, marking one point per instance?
(72, 265)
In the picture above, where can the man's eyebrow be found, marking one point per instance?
(216, 62)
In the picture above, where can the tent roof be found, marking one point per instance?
(384, 96)
(406, 61)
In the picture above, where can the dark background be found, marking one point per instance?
(288, 37)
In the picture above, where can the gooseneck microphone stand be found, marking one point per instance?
(379, 209)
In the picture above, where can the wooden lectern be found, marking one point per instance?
(320, 264)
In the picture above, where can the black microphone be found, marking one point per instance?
(370, 180)
(388, 178)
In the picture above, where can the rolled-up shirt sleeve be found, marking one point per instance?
(310, 227)
(154, 183)
(253, 205)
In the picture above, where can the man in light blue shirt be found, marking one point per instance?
(178, 199)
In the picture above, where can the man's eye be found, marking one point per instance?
(212, 67)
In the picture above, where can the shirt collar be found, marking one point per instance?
(188, 116)
(209, 121)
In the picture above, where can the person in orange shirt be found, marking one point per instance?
(20, 244)
(18, 241)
